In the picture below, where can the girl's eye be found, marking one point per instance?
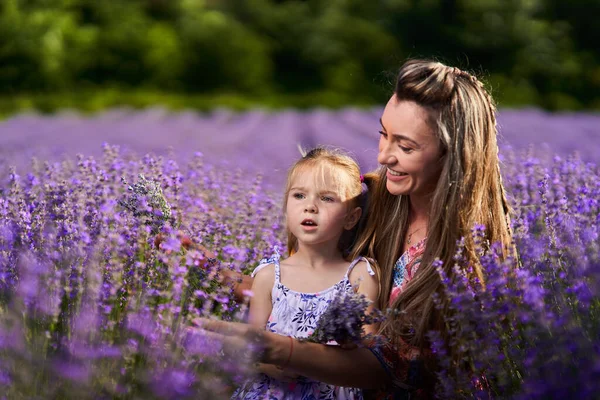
(327, 199)
(298, 196)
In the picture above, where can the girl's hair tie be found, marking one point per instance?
(362, 179)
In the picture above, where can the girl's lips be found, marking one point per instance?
(308, 225)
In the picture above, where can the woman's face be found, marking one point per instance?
(409, 149)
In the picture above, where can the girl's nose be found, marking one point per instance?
(311, 208)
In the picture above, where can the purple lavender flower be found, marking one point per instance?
(345, 319)
(146, 201)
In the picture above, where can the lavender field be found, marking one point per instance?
(92, 308)
(261, 141)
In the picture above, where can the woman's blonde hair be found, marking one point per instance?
(469, 192)
(347, 183)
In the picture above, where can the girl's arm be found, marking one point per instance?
(369, 286)
(260, 310)
(261, 303)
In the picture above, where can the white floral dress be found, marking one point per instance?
(296, 314)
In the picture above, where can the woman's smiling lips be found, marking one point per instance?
(395, 176)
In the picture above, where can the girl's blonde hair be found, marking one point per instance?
(468, 192)
(347, 183)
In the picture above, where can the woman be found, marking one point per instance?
(439, 178)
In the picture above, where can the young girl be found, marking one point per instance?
(322, 209)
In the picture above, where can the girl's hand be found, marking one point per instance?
(276, 372)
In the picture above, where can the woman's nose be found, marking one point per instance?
(385, 157)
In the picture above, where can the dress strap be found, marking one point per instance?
(274, 259)
(356, 261)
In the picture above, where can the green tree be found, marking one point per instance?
(34, 47)
(221, 53)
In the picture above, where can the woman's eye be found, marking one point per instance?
(407, 150)
(382, 133)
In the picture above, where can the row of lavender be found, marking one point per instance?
(91, 308)
(261, 141)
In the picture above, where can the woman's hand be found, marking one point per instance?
(187, 244)
(270, 348)
(240, 283)
(352, 367)
(246, 344)
(275, 372)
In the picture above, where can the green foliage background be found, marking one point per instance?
(92, 54)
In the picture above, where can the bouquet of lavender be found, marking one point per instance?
(146, 201)
(344, 319)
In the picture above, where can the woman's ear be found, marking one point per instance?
(352, 218)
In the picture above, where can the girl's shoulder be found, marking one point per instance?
(363, 276)
(270, 265)
(264, 279)
(264, 270)
(363, 279)
(362, 267)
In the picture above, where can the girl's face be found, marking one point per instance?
(409, 149)
(315, 214)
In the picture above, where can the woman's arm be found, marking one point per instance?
(241, 283)
(357, 367)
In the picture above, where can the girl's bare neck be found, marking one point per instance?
(312, 273)
(316, 258)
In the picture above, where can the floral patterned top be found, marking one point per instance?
(406, 267)
(404, 364)
(296, 314)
